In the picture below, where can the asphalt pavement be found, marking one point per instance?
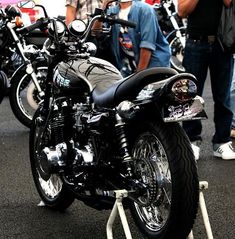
(22, 218)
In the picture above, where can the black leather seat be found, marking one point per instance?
(128, 88)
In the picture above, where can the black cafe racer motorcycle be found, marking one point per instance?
(96, 132)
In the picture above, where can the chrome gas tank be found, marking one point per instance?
(82, 75)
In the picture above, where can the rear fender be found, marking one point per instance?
(175, 99)
(178, 99)
(168, 111)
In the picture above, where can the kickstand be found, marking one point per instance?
(118, 207)
(202, 186)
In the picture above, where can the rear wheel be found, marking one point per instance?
(50, 187)
(164, 162)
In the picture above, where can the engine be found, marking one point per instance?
(67, 128)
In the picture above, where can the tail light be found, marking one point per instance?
(183, 88)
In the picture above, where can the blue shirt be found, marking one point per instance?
(146, 34)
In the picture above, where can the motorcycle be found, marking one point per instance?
(24, 64)
(174, 29)
(97, 132)
(3, 85)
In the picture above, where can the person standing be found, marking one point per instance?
(232, 100)
(141, 47)
(203, 52)
(76, 9)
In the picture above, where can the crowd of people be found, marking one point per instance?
(145, 46)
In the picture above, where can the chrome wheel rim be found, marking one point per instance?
(177, 56)
(51, 186)
(155, 215)
(23, 89)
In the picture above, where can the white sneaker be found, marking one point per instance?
(225, 151)
(196, 150)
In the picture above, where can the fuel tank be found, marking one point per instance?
(82, 75)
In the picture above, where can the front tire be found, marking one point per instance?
(165, 155)
(24, 97)
(177, 51)
(50, 187)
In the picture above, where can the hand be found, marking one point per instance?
(227, 3)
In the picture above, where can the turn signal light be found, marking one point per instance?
(19, 22)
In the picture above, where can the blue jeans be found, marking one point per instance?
(232, 96)
(199, 57)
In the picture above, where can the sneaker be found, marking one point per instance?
(225, 151)
(196, 149)
(232, 134)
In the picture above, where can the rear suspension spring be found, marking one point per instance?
(122, 140)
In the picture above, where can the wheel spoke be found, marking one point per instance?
(148, 147)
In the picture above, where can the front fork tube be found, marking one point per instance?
(29, 67)
(30, 71)
(174, 23)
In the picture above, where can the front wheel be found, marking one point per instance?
(50, 186)
(164, 162)
(177, 45)
(24, 96)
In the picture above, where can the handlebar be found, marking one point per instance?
(104, 18)
(39, 23)
(112, 20)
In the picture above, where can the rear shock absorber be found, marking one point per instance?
(123, 143)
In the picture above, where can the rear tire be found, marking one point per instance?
(52, 190)
(173, 211)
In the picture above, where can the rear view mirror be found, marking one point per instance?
(26, 4)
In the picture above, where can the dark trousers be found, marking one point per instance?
(199, 57)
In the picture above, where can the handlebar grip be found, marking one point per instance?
(39, 23)
(122, 22)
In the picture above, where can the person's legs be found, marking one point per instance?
(232, 101)
(196, 62)
(221, 65)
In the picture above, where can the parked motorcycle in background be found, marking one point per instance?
(174, 29)
(3, 85)
(23, 64)
(96, 132)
